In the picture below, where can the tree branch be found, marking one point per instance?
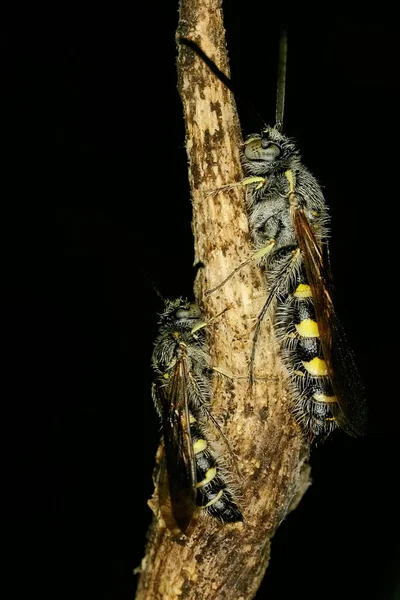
(227, 561)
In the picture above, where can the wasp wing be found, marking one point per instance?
(179, 496)
(350, 413)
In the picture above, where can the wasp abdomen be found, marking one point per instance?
(213, 493)
(297, 329)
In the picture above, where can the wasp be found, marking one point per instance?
(289, 223)
(192, 475)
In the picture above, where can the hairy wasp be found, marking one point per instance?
(191, 475)
(289, 219)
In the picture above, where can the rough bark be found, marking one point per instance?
(227, 561)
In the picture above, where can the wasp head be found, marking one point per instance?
(181, 312)
(268, 152)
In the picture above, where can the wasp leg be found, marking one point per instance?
(285, 272)
(233, 378)
(255, 256)
(260, 181)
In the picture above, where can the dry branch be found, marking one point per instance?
(227, 561)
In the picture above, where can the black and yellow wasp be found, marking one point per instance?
(191, 474)
(289, 223)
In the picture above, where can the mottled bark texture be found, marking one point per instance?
(227, 561)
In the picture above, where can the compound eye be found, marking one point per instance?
(192, 312)
(183, 314)
(272, 150)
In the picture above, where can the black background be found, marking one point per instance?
(95, 205)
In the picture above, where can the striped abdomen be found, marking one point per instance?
(212, 489)
(297, 331)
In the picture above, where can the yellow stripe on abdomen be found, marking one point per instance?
(316, 367)
(210, 474)
(307, 328)
(214, 500)
(324, 398)
(199, 446)
(302, 291)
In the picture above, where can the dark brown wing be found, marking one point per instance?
(179, 496)
(351, 413)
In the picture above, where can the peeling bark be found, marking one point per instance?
(227, 561)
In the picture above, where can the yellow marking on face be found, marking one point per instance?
(211, 473)
(166, 375)
(302, 291)
(324, 398)
(316, 367)
(307, 328)
(214, 500)
(199, 446)
(265, 250)
(192, 419)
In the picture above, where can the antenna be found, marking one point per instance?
(241, 97)
(245, 101)
(281, 81)
(151, 283)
